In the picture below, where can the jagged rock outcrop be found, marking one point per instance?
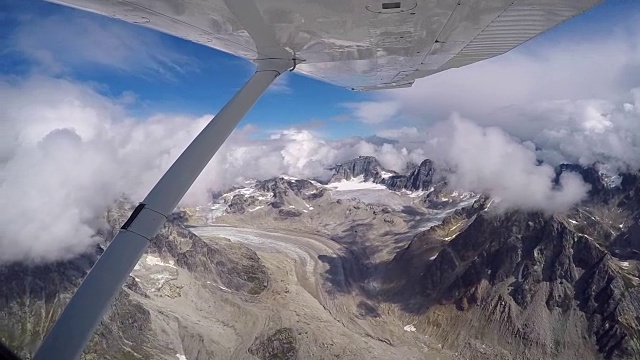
(366, 166)
(421, 178)
(240, 203)
(283, 191)
(418, 177)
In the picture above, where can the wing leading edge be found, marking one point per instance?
(358, 44)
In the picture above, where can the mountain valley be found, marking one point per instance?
(372, 264)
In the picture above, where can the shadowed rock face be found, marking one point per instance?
(366, 166)
(239, 204)
(419, 179)
(33, 296)
(527, 285)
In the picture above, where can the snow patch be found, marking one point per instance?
(264, 196)
(216, 210)
(317, 184)
(220, 286)
(356, 183)
(243, 191)
(609, 178)
(386, 174)
(410, 328)
(415, 194)
(256, 208)
(161, 276)
(152, 260)
(181, 357)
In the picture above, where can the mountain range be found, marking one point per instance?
(371, 264)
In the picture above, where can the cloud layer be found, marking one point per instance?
(67, 152)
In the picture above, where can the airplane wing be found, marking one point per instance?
(358, 44)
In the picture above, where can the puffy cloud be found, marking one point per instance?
(488, 160)
(585, 131)
(597, 65)
(66, 152)
(574, 99)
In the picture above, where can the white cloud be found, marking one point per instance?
(66, 152)
(373, 112)
(404, 132)
(488, 160)
(594, 66)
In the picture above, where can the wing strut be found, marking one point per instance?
(85, 310)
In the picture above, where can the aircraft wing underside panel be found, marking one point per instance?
(359, 44)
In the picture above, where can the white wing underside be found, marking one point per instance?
(358, 44)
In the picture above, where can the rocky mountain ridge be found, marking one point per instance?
(418, 177)
(526, 285)
(292, 197)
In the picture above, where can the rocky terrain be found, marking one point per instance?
(156, 316)
(373, 264)
(420, 177)
(525, 285)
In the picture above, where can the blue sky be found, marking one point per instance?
(193, 79)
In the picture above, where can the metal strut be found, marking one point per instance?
(85, 310)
